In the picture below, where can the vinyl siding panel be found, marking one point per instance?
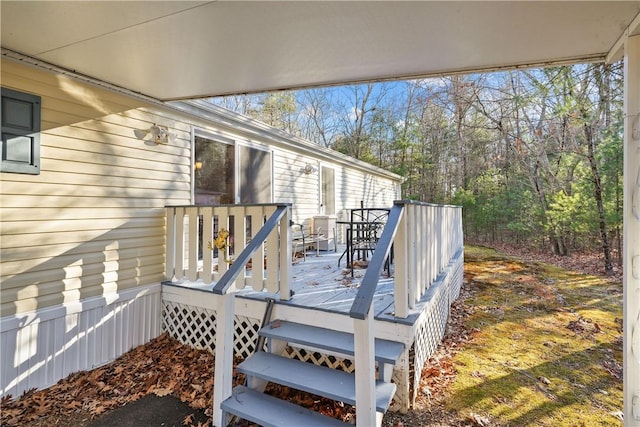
(353, 186)
(42, 349)
(291, 185)
(92, 223)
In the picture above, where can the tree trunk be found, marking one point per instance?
(597, 192)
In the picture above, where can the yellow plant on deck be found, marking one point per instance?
(222, 244)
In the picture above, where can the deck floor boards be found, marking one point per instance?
(319, 283)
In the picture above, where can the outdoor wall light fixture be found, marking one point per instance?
(309, 169)
(159, 134)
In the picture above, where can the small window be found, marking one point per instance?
(20, 114)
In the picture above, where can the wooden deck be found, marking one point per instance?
(201, 308)
(320, 284)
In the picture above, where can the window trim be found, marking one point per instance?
(8, 166)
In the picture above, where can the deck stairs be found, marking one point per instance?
(250, 403)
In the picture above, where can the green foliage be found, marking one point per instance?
(464, 198)
(513, 148)
(569, 214)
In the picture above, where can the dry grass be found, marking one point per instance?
(545, 347)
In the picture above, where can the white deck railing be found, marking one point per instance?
(425, 239)
(194, 232)
(429, 237)
(197, 238)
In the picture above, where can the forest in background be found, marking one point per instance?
(533, 156)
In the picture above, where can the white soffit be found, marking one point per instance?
(177, 50)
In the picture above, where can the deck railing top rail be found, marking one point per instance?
(419, 203)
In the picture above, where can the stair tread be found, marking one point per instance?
(341, 342)
(269, 411)
(327, 382)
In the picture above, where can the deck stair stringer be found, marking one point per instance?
(247, 402)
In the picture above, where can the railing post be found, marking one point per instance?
(438, 239)
(207, 251)
(223, 213)
(222, 385)
(179, 244)
(412, 254)
(364, 358)
(286, 255)
(170, 250)
(460, 228)
(425, 244)
(256, 280)
(402, 298)
(192, 243)
(272, 246)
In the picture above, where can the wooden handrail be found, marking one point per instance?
(241, 260)
(362, 302)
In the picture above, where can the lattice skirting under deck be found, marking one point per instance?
(433, 326)
(196, 327)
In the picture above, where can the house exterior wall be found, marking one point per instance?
(351, 187)
(91, 223)
(355, 181)
(83, 241)
(82, 246)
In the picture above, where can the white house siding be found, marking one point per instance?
(353, 186)
(292, 185)
(91, 223)
(82, 243)
(82, 246)
(354, 180)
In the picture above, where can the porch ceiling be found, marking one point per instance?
(183, 49)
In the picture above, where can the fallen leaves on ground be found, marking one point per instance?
(586, 262)
(527, 308)
(162, 367)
